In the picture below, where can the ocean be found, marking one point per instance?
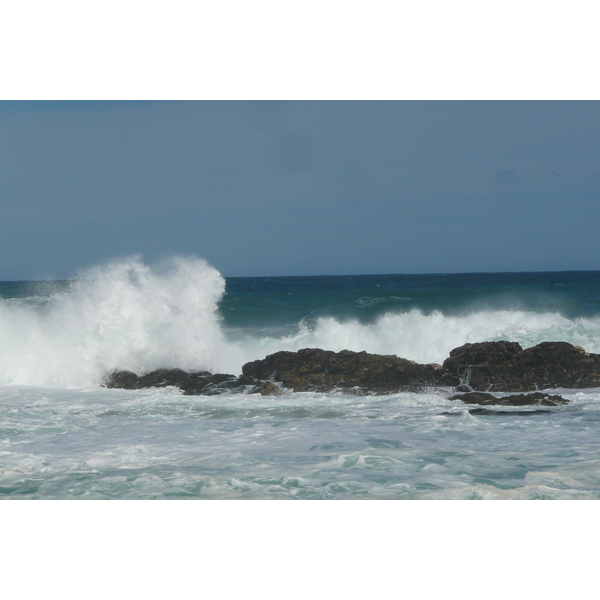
(65, 436)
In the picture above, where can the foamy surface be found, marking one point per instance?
(100, 444)
(62, 435)
(128, 315)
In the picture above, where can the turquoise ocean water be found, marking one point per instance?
(63, 435)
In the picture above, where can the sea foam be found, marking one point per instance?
(129, 315)
(429, 337)
(123, 315)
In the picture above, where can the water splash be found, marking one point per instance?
(125, 315)
(129, 315)
(427, 338)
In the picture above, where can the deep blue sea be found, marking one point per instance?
(63, 435)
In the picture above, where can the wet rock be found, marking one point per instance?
(535, 399)
(248, 380)
(162, 378)
(484, 367)
(313, 369)
(498, 412)
(268, 388)
(219, 378)
(195, 383)
(519, 413)
(483, 353)
(221, 383)
(121, 379)
(199, 383)
(505, 366)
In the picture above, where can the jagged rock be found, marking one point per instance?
(497, 412)
(219, 378)
(322, 370)
(247, 380)
(195, 383)
(268, 388)
(519, 413)
(200, 383)
(505, 366)
(483, 353)
(162, 378)
(121, 379)
(488, 366)
(535, 399)
(221, 383)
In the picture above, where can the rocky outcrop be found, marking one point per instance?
(191, 383)
(318, 370)
(505, 366)
(483, 367)
(534, 399)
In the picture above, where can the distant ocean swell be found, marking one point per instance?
(129, 315)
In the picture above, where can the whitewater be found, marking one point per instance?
(64, 435)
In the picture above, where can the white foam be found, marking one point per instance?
(120, 315)
(128, 315)
(429, 338)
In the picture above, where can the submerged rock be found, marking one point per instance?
(313, 369)
(519, 413)
(268, 388)
(535, 399)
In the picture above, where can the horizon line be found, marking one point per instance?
(439, 273)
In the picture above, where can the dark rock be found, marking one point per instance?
(198, 383)
(162, 378)
(313, 369)
(483, 353)
(121, 379)
(559, 364)
(248, 380)
(480, 366)
(222, 378)
(505, 366)
(489, 411)
(484, 367)
(535, 399)
(519, 413)
(195, 383)
(205, 383)
(475, 398)
(268, 388)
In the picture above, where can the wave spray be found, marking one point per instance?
(123, 315)
(128, 315)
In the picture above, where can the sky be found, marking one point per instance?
(266, 188)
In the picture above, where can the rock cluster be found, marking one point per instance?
(192, 383)
(506, 367)
(483, 367)
(318, 370)
(534, 399)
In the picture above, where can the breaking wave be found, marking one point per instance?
(120, 315)
(430, 337)
(129, 315)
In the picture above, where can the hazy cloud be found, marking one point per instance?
(351, 183)
(265, 116)
(273, 187)
(294, 152)
(506, 176)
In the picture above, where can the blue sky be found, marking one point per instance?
(300, 188)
